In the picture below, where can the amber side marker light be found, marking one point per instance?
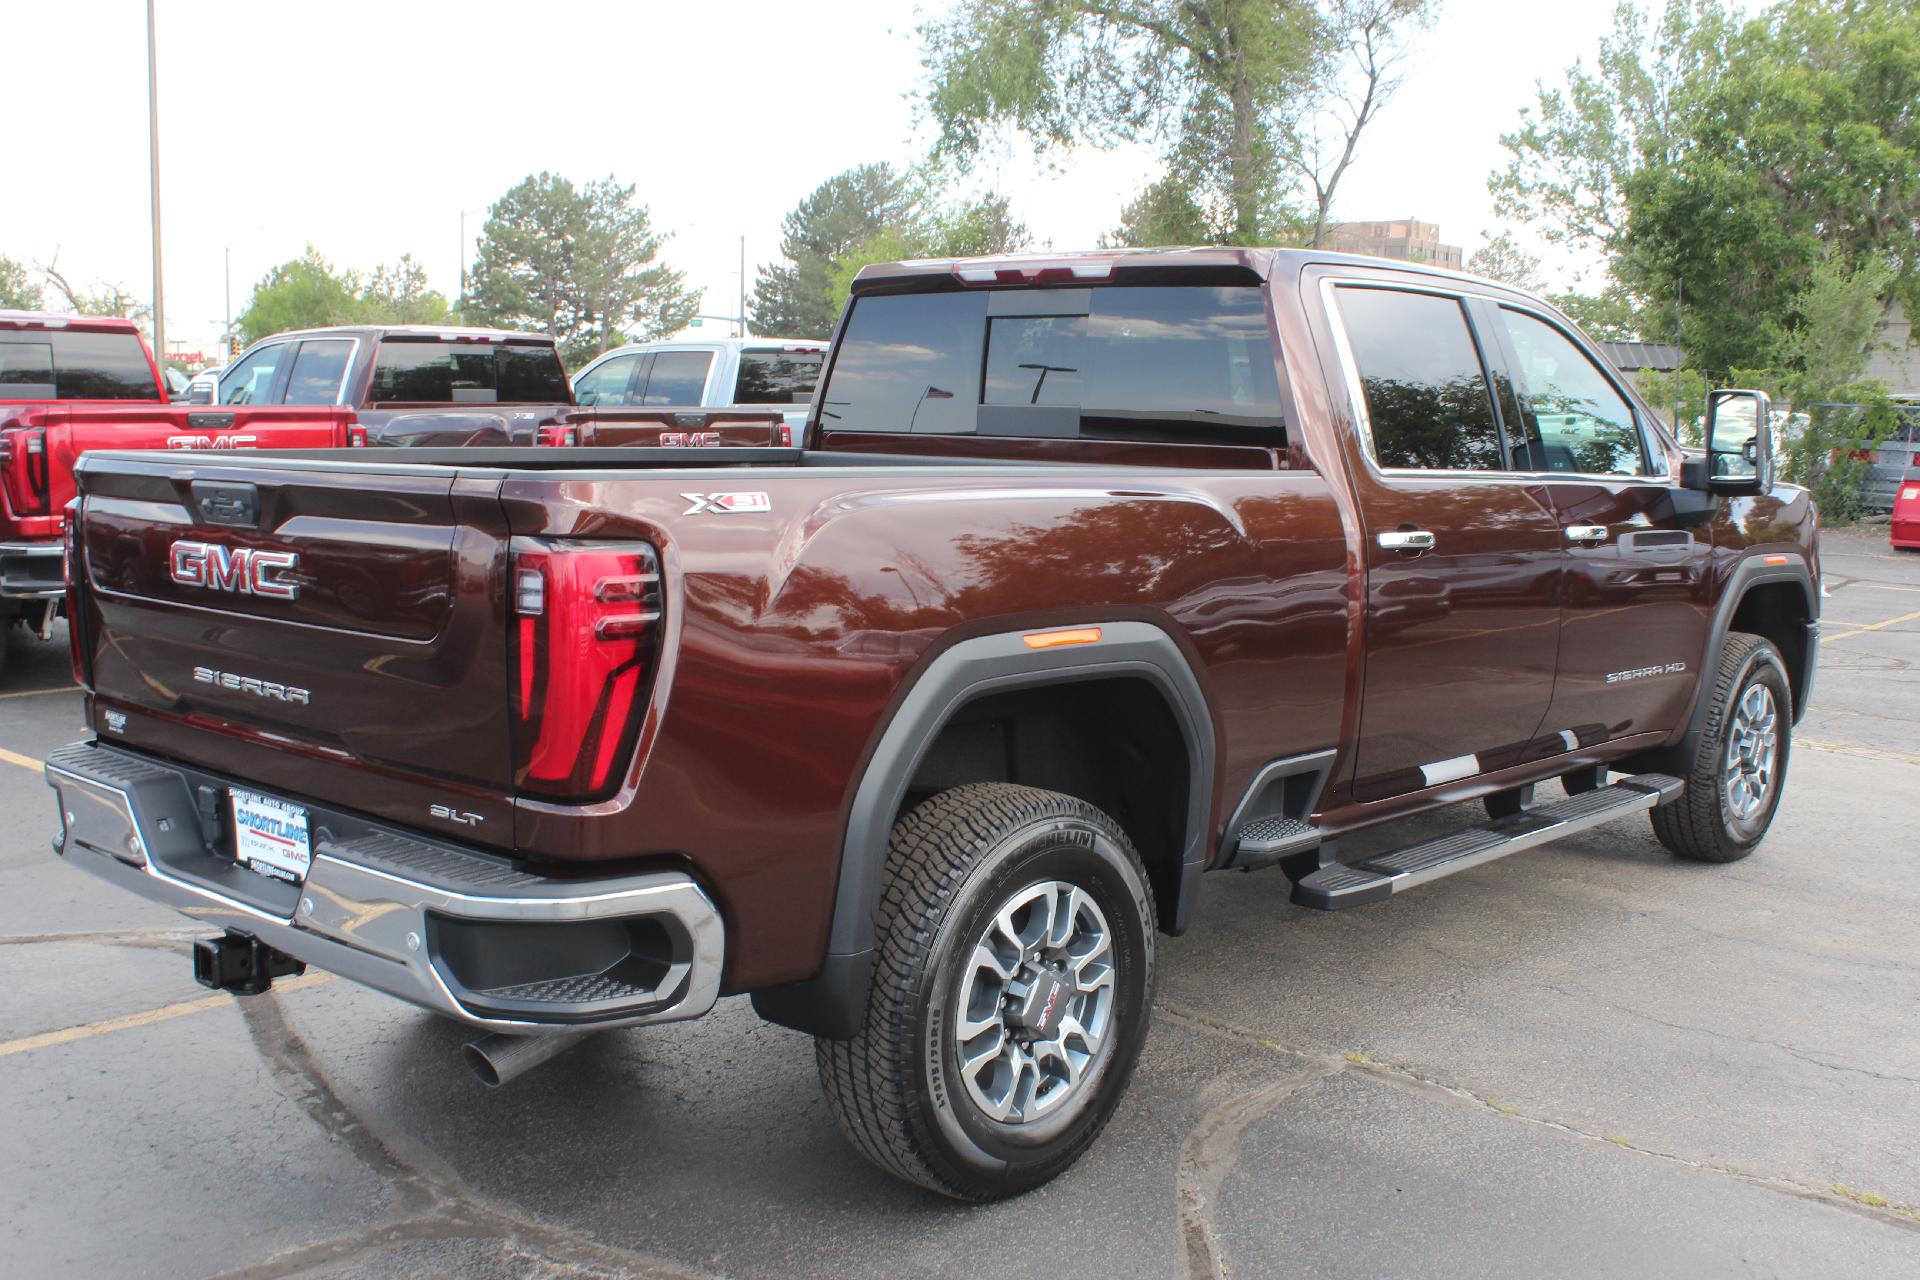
(1054, 639)
(1776, 559)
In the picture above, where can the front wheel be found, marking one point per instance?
(1740, 766)
(1010, 992)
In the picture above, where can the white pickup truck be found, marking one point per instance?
(709, 373)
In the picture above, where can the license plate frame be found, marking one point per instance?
(271, 837)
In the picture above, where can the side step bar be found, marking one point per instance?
(1337, 886)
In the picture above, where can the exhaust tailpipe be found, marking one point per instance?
(498, 1059)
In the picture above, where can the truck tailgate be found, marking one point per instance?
(330, 634)
(88, 426)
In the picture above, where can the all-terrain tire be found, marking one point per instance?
(1703, 825)
(955, 863)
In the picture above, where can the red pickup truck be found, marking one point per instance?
(1097, 573)
(69, 384)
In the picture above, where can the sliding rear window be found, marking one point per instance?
(57, 364)
(467, 373)
(1161, 362)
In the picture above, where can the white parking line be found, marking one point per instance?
(35, 693)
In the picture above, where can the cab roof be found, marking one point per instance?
(10, 319)
(1222, 264)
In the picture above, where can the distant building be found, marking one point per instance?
(1894, 359)
(1406, 238)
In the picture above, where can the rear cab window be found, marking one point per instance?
(775, 375)
(410, 371)
(1163, 362)
(67, 364)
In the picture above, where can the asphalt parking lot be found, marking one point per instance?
(1586, 1060)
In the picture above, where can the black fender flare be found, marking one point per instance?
(1756, 570)
(833, 1001)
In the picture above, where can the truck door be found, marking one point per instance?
(1637, 597)
(1463, 559)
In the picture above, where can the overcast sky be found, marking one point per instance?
(366, 128)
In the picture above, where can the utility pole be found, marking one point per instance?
(226, 335)
(153, 141)
(743, 288)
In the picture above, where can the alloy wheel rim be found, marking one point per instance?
(1746, 779)
(1034, 1018)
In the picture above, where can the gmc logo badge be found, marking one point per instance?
(212, 442)
(241, 570)
(689, 439)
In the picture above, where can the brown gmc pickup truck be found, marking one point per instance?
(1095, 573)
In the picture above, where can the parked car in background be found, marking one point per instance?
(202, 387)
(1906, 513)
(410, 384)
(69, 384)
(719, 373)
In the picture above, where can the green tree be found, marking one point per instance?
(398, 294)
(795, 297)
(966, 230)
(1217, 82)
(18, 291)
(578, 263)
(1499, 258)
(1165, 213)
(302, 293)
(1802, 154)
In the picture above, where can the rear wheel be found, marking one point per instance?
(1740, 766)
(1010, 992)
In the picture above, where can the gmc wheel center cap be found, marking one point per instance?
(1045, 1005)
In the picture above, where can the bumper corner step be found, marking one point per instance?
(1337, 885)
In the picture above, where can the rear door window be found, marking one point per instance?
(607, 383)
(434, 373)
(1427, 402)
(251, 380)
(319, 369)
(777, 377)
(678, 377)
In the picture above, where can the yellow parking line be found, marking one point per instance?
(35, 693)
(1873, 626)
(25, 762)
(165, 1013)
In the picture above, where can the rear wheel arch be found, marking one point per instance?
(923, 745)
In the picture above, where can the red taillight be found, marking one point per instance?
(23, 469)
(77, 647)
(586, 618)
(356, 435)
(786, 436)
(559, 435)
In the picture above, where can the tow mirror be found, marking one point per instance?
(1739, 442)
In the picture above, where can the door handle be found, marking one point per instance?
(1405, 540)
(1586, 533)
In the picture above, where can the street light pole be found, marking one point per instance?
(743, 287)
(153, 141)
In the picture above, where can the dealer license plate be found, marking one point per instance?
(270, 836)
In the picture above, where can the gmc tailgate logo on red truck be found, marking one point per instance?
(212, 442)
(241, 570)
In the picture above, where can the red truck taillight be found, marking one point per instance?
(586, 624)
(23, 469)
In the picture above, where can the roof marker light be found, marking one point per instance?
(1034, 271)
(1054, 639)
(1776, 559)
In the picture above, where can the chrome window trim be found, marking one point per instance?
(1357, 398)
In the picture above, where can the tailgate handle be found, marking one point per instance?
(234, 505)
(689, 419)
(210, 419)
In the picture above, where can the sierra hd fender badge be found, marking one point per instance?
(244, 571)
(1642, 673)
(726, 504)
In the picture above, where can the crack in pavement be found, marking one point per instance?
(1805, 1055)
(1217, 1134)
(434, 1204)
(159, 939)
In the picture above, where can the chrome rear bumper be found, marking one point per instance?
(463, 934)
